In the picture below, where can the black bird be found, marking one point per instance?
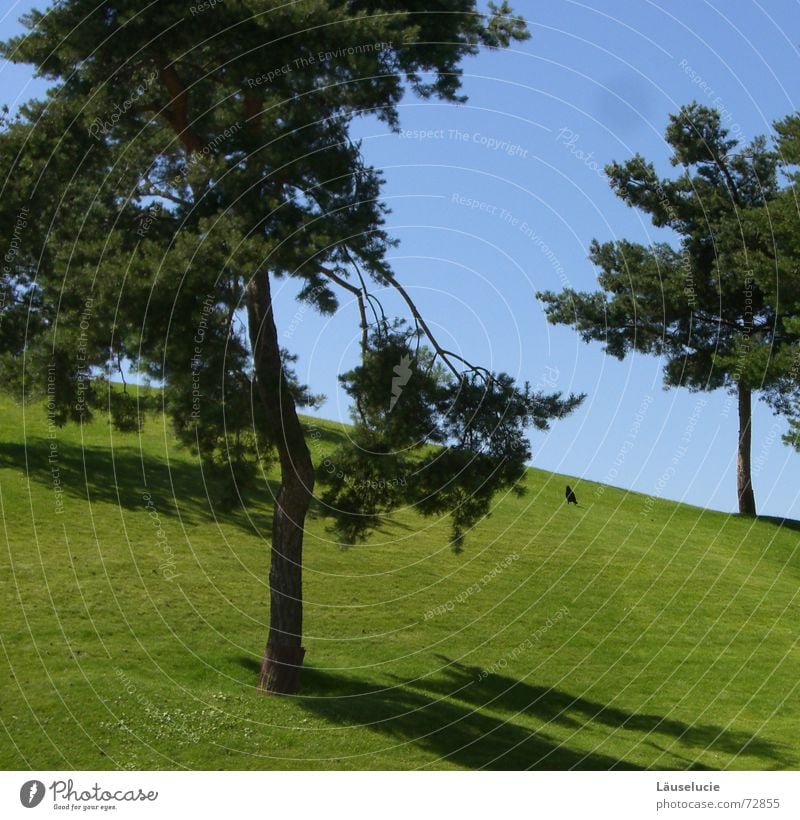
(570, 496)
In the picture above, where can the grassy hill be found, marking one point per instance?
(622, 633)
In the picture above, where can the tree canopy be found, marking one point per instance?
(721, 307)
(182, 160)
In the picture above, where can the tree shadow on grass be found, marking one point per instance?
(781, 550)
(250, 663)
(553, 706)
(121, 476)
(454, 732)
(781, 523)
(497, 722)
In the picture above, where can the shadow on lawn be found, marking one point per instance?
(120, 476)
(782, 523)
(489, 723)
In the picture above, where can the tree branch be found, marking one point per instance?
(178, 113)
(343, 283)
(371, 298)
(445, 355)
(717, 320)
(153, 190)
(720, 163)
(121, 372)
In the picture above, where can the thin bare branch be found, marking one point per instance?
(357, 292)
(370, 297)
(445, 355)
(121, 372)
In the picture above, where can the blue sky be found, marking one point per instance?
(499, 198)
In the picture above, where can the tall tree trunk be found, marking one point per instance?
(283, 656)
(747, 499)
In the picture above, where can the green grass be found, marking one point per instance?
(675, 646)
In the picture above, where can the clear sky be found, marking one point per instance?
(500, 197)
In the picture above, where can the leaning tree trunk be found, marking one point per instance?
(747, 500)
(283, 656)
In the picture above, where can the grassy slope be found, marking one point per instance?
(676, 647)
